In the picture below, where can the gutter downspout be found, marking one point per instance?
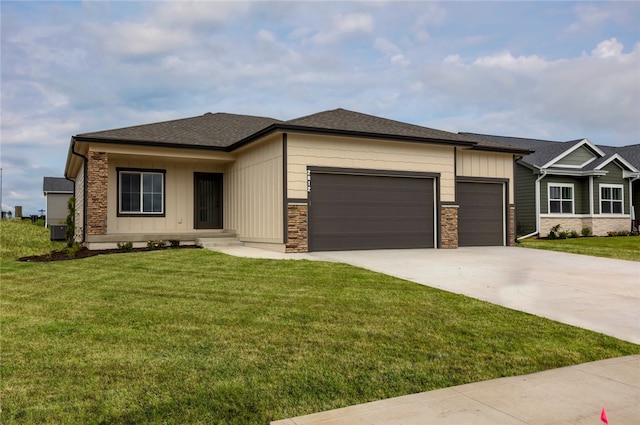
(632, 211)
(84, 190)
(543, 174)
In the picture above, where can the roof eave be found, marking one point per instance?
(150, 143)
(346, 133)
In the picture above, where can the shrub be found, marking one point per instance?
(573, 234)
(70, 233)
(125, 246)
(156, 244)
(563, 234)
(73, 249)
(586, 231)
(555, 232)
(174, 243)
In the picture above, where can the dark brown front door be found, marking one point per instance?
(208, 200)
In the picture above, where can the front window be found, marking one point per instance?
(611, 199)
(560, 198)
(141, 192)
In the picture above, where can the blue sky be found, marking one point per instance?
(550, 70)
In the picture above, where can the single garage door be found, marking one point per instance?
(481, 214)
(351, 211)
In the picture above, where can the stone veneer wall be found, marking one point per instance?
(449, 226)
(599, 225)
(96, 196)
(297, 230)
(511, 235)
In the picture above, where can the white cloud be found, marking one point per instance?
(345, 25)
(507, 61)
(588, 16)
(608, 48)
(139, 39)
(391, 51)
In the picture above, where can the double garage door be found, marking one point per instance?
(367, 211)
(356, 211)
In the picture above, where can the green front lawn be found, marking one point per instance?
(620, 247)
(192, 336)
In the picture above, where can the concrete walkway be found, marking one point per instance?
(572, 395)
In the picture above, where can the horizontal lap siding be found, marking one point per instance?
(305, 150)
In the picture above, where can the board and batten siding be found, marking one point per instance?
(254, 205)
(525, 182)
(179, 201)
(472, 163)
(305, 150)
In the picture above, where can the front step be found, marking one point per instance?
(225, 240)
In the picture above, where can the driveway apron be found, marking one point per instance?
(599, 294)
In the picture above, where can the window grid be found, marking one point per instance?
(611, 199)
(141, 192)
(561, 198)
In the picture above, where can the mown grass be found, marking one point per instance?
(192, 336)
(620, 247)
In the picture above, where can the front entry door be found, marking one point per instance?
(208, 200)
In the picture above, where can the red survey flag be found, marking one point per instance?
(603, 416)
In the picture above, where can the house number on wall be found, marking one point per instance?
(308, 181)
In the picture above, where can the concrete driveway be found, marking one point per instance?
(599, 294)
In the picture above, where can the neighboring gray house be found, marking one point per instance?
(575, 184)
(57, 191)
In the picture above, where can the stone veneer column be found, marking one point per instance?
(96, 197)
(511, 235)
(297, 233)
(449, 226)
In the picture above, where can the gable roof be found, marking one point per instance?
(547, 153)
(229, 131)
(57, 185)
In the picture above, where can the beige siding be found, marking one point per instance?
(255, 211)
(305, 150)
(79, 214)
(472, 163)
(57, 208)
(179, 215)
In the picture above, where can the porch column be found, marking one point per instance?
(449, 226)
(96, 197)
(297, 228)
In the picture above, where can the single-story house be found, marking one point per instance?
(334, 180)
(574, 184)
(57, 191)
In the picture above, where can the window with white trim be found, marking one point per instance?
(611, 199)
(141, 192)
(561, 198)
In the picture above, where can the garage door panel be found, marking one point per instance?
(480, 214)
(370, 212)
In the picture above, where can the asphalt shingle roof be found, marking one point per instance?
(547, 150)
(223, 131)
(218, 130)
(57, 184)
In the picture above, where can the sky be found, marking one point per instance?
(548, 70)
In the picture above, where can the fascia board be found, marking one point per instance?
(617, 157)
(584, 142)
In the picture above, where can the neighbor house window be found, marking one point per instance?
(611, 199)
(560, 198)
(141, 192)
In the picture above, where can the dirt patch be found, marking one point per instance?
(85, 253)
